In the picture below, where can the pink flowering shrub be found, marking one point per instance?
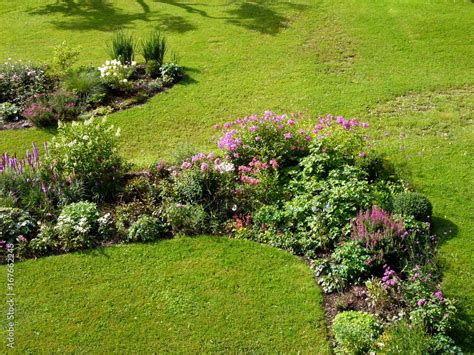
(45, 111)
(285, 138)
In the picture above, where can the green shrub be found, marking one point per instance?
(9, 112)
(403, 338)
(15, 222)
(122, 47)
(154, 48)
(64, 58)
(152, 68)
(355, 331)
(77, 226)
(186, 219)
(84, 84)
(45, 243)
(413, 204)
(145, 229)
(88, 150)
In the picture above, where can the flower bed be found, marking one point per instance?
(317, 189)
(43, 95)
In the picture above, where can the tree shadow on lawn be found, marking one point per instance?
(253, 15)
(101, 15)
(464, 325)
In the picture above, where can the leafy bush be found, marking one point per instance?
(122, 47)
(64, 58)
(186, 219)
(413, 204)
(171, 73)
(9, 112)
(116, 74)
(88, 151)
(145, 229)
(20, 81)
(77, 226)
(154, 48)
(355, 332)
(15, 222)
(85, 84)
(404, 338)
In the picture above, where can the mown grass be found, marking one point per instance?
(406, 66)
(206, 294)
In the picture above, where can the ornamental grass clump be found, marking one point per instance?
(122, 47)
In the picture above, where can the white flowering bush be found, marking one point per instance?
(77, 226)
(88, 151)
(116, 74)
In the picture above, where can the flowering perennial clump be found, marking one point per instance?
(375, 226)
(116, 74)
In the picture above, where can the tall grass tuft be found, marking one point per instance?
(122, 47)
(154, 48)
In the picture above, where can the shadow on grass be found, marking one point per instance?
(102, 15)
(464, 325)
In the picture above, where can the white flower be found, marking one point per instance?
(107, 62)
(225, 167)
(134, 63)
(85, 137)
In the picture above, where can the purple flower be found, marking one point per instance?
(362, 154)
(204, 166)
(291, 122)
(364, 125)
(439, 295)
(186, 165)
(421, 302)
(227, 125)
(288, 135)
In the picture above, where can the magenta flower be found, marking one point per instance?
(364, 125)
(227, 125)
(439, 295)
(288, 135)
(291, 122)
(421, 302)
(362, 154)
(204, 166)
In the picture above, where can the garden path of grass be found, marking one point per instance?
(353, 58)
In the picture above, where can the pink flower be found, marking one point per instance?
(291, 122)
(439, 295)
(362, 154)
(274, 164)
(204, 166)
(421, 302)
(364, 125)
(227, 125)
(288, 135)
(186, 165)
(258, 138)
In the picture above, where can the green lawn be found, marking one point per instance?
(406, 66)
(206, 294)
